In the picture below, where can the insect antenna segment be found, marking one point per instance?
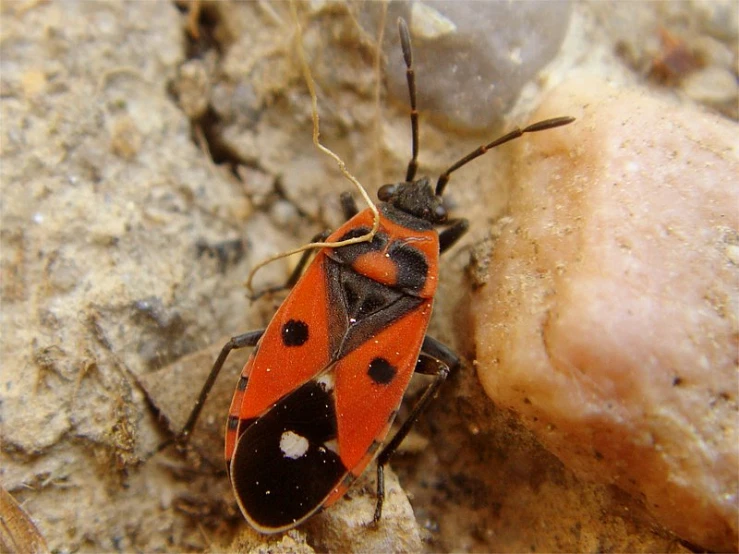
(517, 132)
(405, 44)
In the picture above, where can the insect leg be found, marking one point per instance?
(435, 359)
(240, 341)
(296, 274)
(348, 205)
(441, 352)
(449, 236)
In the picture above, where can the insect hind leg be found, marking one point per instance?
(435, 359)
(235, 343)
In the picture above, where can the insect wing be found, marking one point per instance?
(370, 384)
(294, 348)
(303, 453)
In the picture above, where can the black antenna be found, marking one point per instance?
(405, 44)
(517, 132)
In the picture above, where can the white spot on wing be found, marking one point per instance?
(292, 445)
(332, 445)
(326, 381)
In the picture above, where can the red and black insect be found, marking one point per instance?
(317, 397)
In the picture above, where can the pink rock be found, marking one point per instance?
(610, 319)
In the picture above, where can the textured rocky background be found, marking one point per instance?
(151, 154)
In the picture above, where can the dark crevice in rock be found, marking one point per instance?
(204, 36)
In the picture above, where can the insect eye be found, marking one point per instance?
(440, 213)
(386, 192)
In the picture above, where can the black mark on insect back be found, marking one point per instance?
(294, 333)
(381, 371)
(412, 266)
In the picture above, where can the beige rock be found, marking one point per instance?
(609, 322)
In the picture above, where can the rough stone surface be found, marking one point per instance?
(346, 528)
(105, 199)
(17, 532)
(610, 320)
(693, 54)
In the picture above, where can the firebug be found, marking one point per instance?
(316, 399)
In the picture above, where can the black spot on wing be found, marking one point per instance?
(276, 490)
(381, 371)
(294, 333)
(242, 383)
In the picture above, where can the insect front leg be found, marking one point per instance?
(235, 343)
(435, 359)
(449, 236)
(348, 205)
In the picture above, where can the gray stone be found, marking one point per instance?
(471, 58)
